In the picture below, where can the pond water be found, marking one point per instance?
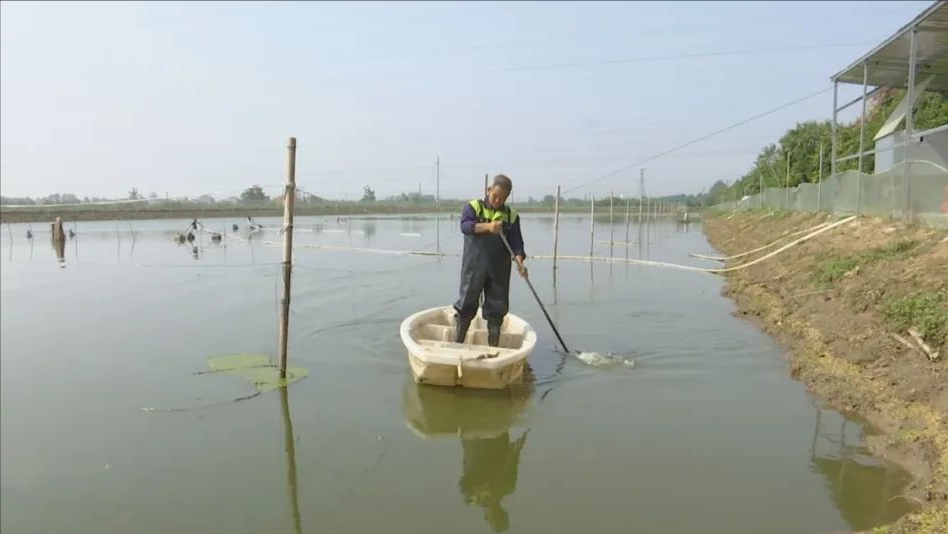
(705, 433)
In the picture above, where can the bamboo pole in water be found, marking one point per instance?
(612, 233)
(288, 196)
(628, 213)
(592, 223)
(438, 199)
(648, 219)
(556, 225)
(480, 298)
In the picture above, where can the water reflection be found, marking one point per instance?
(368, 230)
(59, 246)
(859, 485)
(482, 420)
(289, 446)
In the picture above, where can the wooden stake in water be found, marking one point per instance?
(628, 212)
(641, 199)
(438, 199)
(648, 217)
(592, 223)
(483, 194)
(288, 197)
(612, 233)
(556, 225)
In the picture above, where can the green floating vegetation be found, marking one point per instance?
(258, 368)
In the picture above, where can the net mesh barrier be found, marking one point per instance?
(851, 192)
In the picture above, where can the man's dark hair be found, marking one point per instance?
(504, 182)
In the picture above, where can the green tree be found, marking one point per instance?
(803, 143)
(368, 195)
(718, 192)
(254, 196)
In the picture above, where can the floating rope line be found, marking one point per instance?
(759, 249)
(372, 250)
(815, 231)
(204, 406)
(621, 244)
(701, 269)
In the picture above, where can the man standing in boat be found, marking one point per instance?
(486, 264)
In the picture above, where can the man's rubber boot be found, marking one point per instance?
(493, 334)
(461, 328)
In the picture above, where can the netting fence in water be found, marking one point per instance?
(851, 192)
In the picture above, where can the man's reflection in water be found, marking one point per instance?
(490, 474)
(482, 420)
(59, 246)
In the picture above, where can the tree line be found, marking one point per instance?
(255, 196)
(803, 144)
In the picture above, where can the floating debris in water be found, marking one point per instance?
(257, 368)
(597, 359)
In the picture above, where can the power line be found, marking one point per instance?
(698, 55)
(699, 139)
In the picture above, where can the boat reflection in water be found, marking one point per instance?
(482, 420)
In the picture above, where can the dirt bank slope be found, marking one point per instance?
(845, 304)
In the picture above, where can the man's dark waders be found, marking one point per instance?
(485, 267)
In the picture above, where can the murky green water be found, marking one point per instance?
(706, 433)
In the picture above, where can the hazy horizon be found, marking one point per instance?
(199, 98)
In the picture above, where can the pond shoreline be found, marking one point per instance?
(49, 213)
(830, 301)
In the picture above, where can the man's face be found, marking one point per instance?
(497, 195)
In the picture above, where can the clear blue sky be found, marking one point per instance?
(193, 98)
